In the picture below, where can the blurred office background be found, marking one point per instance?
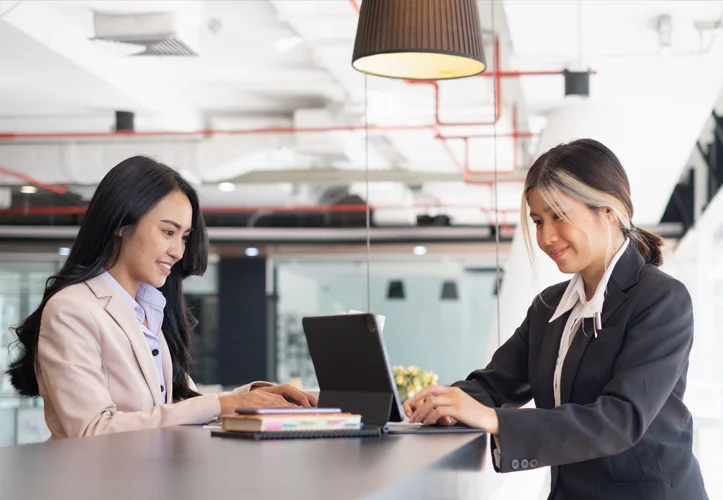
(256, 103)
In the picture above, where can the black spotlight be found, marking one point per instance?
(449, 291)
(577, 83)
(395, 290)
(124, 121)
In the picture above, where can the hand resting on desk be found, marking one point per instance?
(441, 405)
(273, 396)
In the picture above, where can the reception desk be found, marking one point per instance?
(186, 463)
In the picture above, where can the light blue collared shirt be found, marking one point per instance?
(148, 306)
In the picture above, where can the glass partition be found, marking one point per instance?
(438, 310)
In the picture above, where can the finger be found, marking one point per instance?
(407, 409)
(281, 402)
(273, 400)
(437, 414)
(312, 400)
(430, 404)
(294, 395)
(433, 390)
(446, 422)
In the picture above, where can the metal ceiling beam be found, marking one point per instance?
(341, 176)
(303, 235)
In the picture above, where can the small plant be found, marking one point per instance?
(410, 380)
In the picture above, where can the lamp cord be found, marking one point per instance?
(496, 207)
(366, 182)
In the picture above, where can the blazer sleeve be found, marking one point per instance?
(69, 361)
(238, 390)
(505, 380)
(654, 355)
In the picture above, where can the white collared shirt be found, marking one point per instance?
(148, 307)
(575, 299)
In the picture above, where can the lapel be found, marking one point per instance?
(548, 355)
(624, 276)
(119, 309)
(167, 369)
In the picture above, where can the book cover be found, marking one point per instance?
(282, 423)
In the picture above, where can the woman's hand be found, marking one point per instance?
(252, 399)
(410, 408)
(442, 405)
(290, 393)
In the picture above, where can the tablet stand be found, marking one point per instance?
(374, 407)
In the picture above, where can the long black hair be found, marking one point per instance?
(127, 193)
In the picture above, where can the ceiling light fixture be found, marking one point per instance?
(395, 290)
(420, 250)
(449, 290)
(28, 189)
(577, 83)
(251, 252)
(227, 187)
(419, 39)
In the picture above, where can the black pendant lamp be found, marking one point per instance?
(419, 39)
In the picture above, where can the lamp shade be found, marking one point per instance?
(419, 39)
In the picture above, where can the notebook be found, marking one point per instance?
(291, 422)
(260, 436)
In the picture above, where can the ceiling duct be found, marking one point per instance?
(155, 33)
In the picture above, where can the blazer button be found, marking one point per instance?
(533, 463)
(524, 464)
(154, 352)
(515, 464)
(162, 389)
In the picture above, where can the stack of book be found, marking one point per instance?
(290, 426)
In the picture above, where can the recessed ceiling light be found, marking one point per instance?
(252, 252)
(28, 190)
(286, 44)
(64, 251)
(420, 250)
(227, 187)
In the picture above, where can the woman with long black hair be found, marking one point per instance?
(109, 347)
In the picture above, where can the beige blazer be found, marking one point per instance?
(95, 372)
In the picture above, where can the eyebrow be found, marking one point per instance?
(176, 225)
(546, 210)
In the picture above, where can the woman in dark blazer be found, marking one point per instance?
(604, 355)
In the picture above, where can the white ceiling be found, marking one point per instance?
(54, 79)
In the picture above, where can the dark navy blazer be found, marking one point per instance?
(622, 431)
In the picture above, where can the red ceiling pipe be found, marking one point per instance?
(38, 184)
(467, 173)
(517, 74)
(44, 211)
(497, 96)
(464, 166)
(503, 223)
(498, 75)
(19, 136)
(518, 135)
(515, 140)
(75, 210)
